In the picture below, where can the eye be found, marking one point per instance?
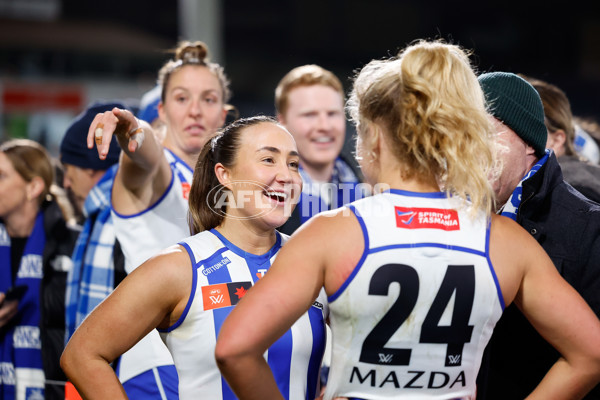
(294, 165)
(180, 99)
(269, 160)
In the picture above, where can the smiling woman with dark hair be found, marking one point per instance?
(187, 290)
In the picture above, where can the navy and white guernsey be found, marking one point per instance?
(413, 318)
(222, 273)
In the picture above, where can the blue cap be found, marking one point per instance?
(73, 147)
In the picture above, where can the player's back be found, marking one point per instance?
(415, 315)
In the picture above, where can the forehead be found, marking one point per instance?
(194, 77)
(315, 95)
(267, 134)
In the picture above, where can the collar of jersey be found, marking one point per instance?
(431, 195)
(245, 254)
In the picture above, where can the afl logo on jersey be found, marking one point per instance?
(430, 218)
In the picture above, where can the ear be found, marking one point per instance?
(223, 175)
(224, 116)
(35, 188)
(161, 112)
(558, 138)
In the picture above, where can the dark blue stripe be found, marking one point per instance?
(430, 195)
(425, 244)
(317, 326)
(180, 161)
(279, 359)
(362, 258)
(192, 294)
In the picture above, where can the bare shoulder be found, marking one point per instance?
(333, 238)
(169, 271)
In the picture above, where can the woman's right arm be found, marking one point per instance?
(552, 306)
(144, 172)
(153, 295)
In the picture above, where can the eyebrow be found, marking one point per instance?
(277, 151)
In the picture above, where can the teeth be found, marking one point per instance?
(280, 195)
(323, 139)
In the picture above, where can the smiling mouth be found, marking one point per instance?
(323, 139)
(280, 197)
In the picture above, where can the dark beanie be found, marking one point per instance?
(73, 148)
(517, 104)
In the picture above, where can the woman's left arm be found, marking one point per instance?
(144, 300)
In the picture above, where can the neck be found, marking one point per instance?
(393, 177)
(247, 237)
(318, 173)
(20, 224)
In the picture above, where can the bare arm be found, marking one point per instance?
(294, 280)
(144, 173)
(153, 295)
(553, 307)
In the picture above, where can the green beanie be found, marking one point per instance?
(517, 104)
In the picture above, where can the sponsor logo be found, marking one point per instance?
(27, 337)
(407, 379)
(31, 267)
(430, 218)
(385, 358)
(209, 270)
(454, 359)
(224, 294)
(261, 272)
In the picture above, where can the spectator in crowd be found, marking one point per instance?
(531, 191)
(35, 255)
(577, 171)
(310, 103)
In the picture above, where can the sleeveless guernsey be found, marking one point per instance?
(413, 318)
(222, 273)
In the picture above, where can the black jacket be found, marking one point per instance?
(60, 241)
(567, 225)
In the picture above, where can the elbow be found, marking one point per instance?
(224, 354)
(67, 361)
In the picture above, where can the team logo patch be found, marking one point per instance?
(224, 294)
(431, 218)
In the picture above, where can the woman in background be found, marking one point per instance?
(35, 249)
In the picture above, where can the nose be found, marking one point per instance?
(283, 174)
(196, 108)
(324, 122)
(66, 182)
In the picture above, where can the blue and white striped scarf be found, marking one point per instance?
(511, 207)
(21, 369)
(91, 279)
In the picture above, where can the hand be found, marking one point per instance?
(8, 309)
(119, 123)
